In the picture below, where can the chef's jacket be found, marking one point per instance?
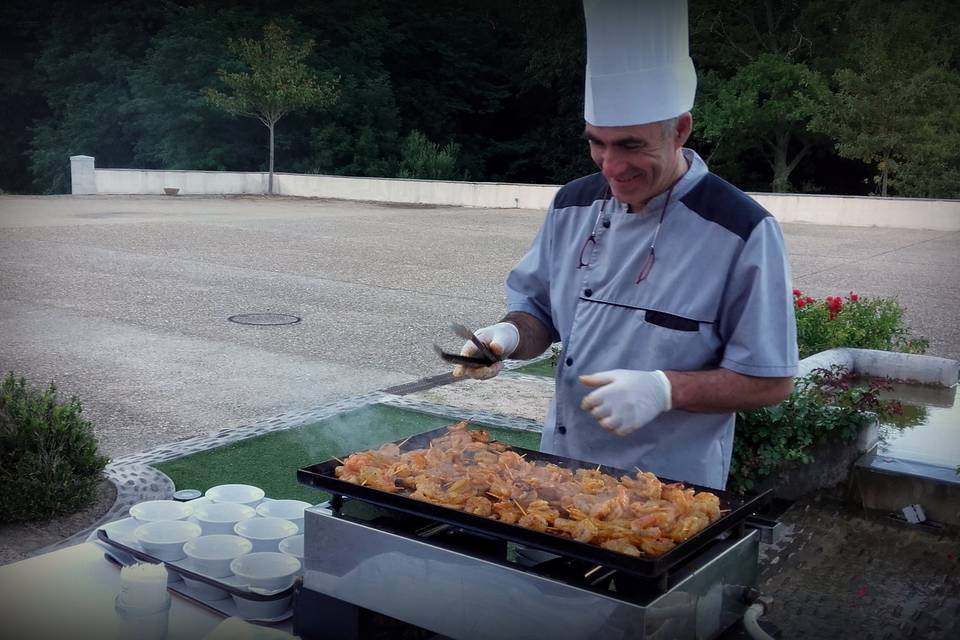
(718, 295)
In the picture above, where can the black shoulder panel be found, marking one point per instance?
(582, 192)
(718, 201)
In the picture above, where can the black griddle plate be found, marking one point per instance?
(737, 508)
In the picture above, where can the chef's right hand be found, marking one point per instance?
(502, 338)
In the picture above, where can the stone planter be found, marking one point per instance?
(833, 464)
(171, 191)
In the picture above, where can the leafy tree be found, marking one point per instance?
(172, 124)
(536, 135)
(769, 102)
(87, 55)
(897, 107)
(762, 67)
(278, 82)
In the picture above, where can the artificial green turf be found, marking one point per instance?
(539, 368)
(271, 461)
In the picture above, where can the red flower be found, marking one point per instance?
(854, 297)
(834, 305)
(797, 292)
(810, 299)
(800, 303)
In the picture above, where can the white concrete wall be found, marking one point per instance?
(907, 213)
(142, 181)
(860, 211)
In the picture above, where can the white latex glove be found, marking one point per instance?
(502, 338)
(625, 400)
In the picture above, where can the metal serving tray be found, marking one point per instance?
(323, 476)
(222, 607)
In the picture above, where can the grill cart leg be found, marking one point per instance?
(319, 617)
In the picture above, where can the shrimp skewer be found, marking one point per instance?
(637, 515)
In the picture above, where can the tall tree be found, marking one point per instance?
(88, 51)
(172, 124)
(897, 106)
(278, 82)
(762, 66)
(769, 102)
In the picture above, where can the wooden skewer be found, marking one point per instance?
(339, 460)
(519, 507)
(404, 442)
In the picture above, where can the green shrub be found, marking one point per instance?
(49, 464)
(854, 321)
(427, 160)
(823, 407)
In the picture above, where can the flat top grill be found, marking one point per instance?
(735, 510)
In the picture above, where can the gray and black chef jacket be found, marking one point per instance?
(718, 295)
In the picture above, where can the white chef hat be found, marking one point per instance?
(638, 62)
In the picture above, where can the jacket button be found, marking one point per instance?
(588, 292)
(561, 429)
(569, 361)
(606, 224)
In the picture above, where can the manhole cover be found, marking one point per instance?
(264, 319)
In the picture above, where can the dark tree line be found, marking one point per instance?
(825, 96)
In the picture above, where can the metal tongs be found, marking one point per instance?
(487, 357)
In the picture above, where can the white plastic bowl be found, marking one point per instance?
(268, 570)
(265, 533)
(266, 610)
(293, 546)
(205, 591)
(291, 510)
(160, 510)
(212, 555)
(164, 540)
(220, 517)
(242, 493)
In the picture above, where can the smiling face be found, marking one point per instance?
(640, 161)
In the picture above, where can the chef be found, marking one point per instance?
(668, 287)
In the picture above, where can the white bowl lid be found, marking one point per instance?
(156, 510)
(217, 547)
(167, 531)
(264, 565)
(266, 528)
(223, 512)
(235, 493)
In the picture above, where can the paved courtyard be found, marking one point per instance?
(124, 301)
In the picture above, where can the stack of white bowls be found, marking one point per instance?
(232, 534)
(222, 517)
(264, 572)
(162, 530)
(211, 556)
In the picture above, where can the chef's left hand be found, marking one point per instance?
(625, 400)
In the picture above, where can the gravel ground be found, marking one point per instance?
(124, 300)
